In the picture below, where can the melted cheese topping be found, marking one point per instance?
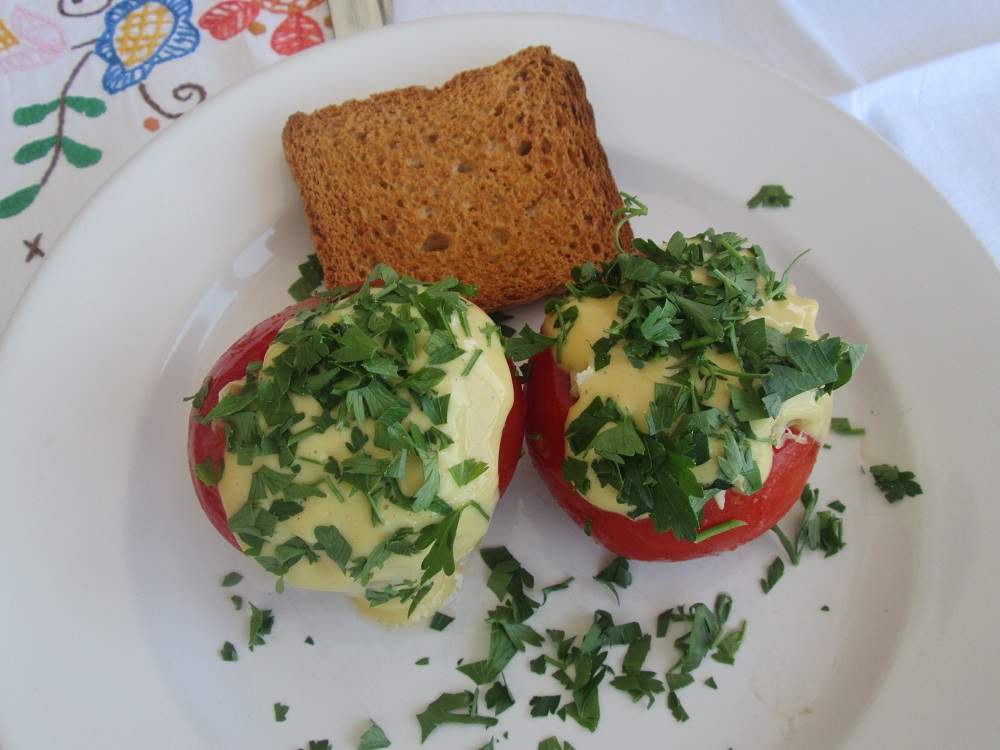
(633, 388)
(479, 403)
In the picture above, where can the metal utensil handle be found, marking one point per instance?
(351, 16)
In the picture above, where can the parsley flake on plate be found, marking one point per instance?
(374, 738)
(895, 484)
(773, 196)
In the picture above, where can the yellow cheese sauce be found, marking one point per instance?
(480, 394)
(632, 388)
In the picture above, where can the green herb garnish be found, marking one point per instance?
(527, 344)
(452, 708)
(842, 426)
(310, 277)
(895, 484)
(543, 705)
(198, 399)
(822, 530)
(261, 623)
(553, 743)
(688, 302)
(498, 698)
(774, 572)
(440, 621)
(615, 574)
(373, 738)
(638, 682)
(707, 637)
(770, 195)
(280, 711)
(231, 579)
(209, 472)
(467, 471)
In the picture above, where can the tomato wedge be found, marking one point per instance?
(549, 401)
(209, 441)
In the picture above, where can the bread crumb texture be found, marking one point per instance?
(496, 177)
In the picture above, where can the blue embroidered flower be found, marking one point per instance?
(141, 34)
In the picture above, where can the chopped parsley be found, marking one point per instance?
(228, 652)
(707, 636)
(615, 575)
(774, 573)
(774, 196)
(231, 579)
(280, 711)
(373, 738)
(543, 705)
(895, 484)
(261, 623)
(499, 698)
(638, 682)
(310, 278)
(208, 472)
(819, 530)
(440, 621)
(688, 302)
(553, 743)
(452, 708)
(843, 426)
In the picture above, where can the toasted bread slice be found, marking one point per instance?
(497, 177)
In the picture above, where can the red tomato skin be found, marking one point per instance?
(549, 400)
(209, 441)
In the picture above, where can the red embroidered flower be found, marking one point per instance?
(296, 32)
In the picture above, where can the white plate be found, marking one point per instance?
(112, 610)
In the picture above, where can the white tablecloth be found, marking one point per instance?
(924, 74)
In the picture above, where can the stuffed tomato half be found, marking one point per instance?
(679, 395)
(359, 441)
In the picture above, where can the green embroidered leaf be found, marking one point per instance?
(88, 106)
(80, 155)
(30, 152)
(15, 203)
(34, 113)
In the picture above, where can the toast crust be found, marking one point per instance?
(496, 177)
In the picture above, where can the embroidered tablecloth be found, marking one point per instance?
(84, 84)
